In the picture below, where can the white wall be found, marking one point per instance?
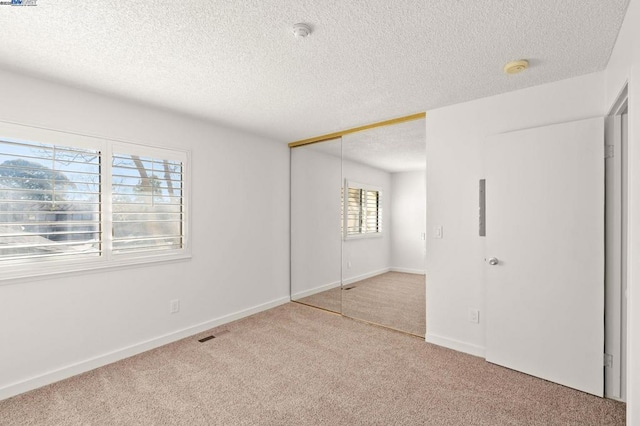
(408, 221)
(454, 165)
(624, 65)
(53, 327)
(368, 256)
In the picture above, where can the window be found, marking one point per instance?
(363, 210)
(75, 200)
(147, 204)
(49, 201)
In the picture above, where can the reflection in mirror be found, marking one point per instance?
(316, 181)
(384, 225)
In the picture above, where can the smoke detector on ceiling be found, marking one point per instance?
(301, 30)
(516, 66)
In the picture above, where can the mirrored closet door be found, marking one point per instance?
(383, 248)
(358, 223)
(316, 242)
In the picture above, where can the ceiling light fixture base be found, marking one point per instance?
(516, 67)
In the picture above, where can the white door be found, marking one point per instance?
(545, 227)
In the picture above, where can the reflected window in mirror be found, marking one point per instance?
(363, 211)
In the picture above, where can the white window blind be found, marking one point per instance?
(364, 211)
(148, 204)
(70, 202)
(50, 203)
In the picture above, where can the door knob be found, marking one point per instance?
(493, 261)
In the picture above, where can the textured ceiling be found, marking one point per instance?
(397, 148)
(237, 62)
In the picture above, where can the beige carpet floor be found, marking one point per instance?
(331, 300)
(297, 365)
(393, 299)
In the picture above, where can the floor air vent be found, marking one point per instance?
(218, 334)
(349, 288)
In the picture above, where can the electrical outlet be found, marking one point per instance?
(174, 306)
(474, 316)
(349, 265)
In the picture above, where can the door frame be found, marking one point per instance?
(616, 248)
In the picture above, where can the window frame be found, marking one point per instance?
(21, 269)
(349, 184)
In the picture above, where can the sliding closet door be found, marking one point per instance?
(358, 223)
(383, 247)
(316, 185)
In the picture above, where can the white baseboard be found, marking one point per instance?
(456, 345)
(347, 281)
(408, 270)
(315, 290)
(111, 357)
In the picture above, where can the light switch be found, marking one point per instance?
(438, 231)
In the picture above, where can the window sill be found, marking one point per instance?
(10, 275)
(363, 236)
